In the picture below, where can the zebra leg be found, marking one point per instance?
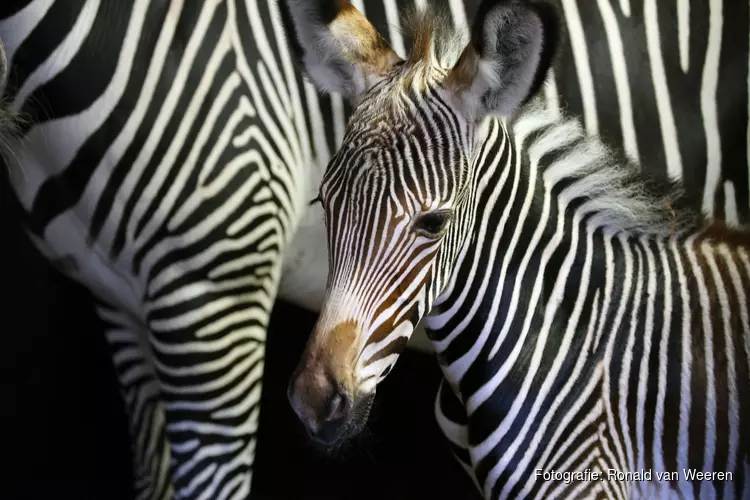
(140, 390)
(211, 393)
(209, 359)
(451, 417)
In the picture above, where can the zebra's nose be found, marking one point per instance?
(322, 406)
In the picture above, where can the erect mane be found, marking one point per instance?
(432, 37)
(623, 197)
(434, 46)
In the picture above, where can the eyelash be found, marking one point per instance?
(318, 199)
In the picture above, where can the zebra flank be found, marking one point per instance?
(162, 161)
(590, 322)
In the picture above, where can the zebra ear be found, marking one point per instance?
(337, 46)
(505, 64)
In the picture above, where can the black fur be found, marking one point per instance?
(290, 32)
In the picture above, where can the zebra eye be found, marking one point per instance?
(433, 224)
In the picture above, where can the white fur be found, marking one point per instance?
(611, 184)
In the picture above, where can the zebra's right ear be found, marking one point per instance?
(338, 48)
(512, 46)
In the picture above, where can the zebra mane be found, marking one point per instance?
(619, 194)
(434, 40)
(434, 47)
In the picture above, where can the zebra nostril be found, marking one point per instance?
(338, 406)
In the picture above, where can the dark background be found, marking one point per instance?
(64, 432)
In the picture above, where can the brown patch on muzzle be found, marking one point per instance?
(334, 352)
(324, 385)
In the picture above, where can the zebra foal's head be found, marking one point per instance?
(398, 195)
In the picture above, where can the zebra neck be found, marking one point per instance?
(494, 306)
(544, 241)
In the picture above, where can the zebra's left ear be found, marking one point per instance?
(512, 46)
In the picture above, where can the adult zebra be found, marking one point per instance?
(121, 173)
(575, 302)
(163, 159)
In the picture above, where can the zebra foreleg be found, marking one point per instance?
(210, 385)
(451, 418)
(140, 390)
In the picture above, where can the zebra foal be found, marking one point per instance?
(585, 318)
